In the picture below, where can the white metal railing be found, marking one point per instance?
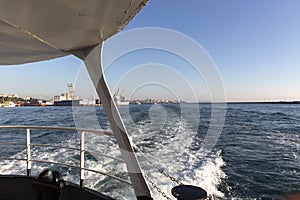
(81, 150)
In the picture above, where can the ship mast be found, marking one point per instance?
(71, 91)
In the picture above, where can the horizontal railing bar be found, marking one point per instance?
(105, 132)
(114, 158)
(109, 175)
(12, 143)
(5, 158)
(91, 170)
(55, 163)
(55, 146)
(80, 130)
(72, 166)
(77, 149)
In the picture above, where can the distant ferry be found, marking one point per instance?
(122, 103)
(8, 104)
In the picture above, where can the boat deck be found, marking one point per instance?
(27, 187)
(22, 188)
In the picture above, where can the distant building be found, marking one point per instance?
(9, 96)
(98, 102)
(27, 98)
(148, 101)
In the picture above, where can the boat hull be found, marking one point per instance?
(66, 103)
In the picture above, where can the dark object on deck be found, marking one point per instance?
(53, 177)
(48, 185)
(188, 192)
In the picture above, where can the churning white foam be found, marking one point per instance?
(173, 147)
(174, 150)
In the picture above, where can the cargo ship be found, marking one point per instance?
(120, 99)
(66, 99)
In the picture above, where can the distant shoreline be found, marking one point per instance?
(271, 102)
(252, 102)
(235, 102)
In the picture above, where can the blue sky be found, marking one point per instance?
(254, 44)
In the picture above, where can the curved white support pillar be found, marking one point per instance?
(93, 63)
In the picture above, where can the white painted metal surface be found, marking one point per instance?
(33, 30)
(81, 158)
(28, 152)
(93, 64)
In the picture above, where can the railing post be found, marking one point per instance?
(28, 153)
(81, 158)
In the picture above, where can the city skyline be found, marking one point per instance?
(254, 45)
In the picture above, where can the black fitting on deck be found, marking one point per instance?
(188, 192)
(48, 185)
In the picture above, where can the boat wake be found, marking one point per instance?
(171, 145)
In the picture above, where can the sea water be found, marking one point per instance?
(257, 154)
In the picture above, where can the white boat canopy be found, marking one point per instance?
(35, 30)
